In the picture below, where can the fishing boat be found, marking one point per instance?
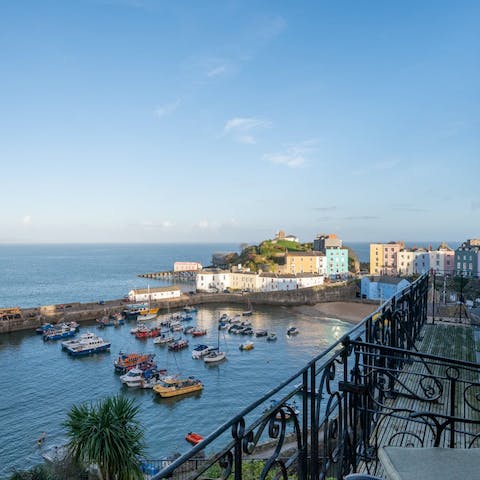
(201, 350)
(105, 321)
(246, 346)
(172, 386)
(271, 337)
(261, 333)
(292, 331)
(127, 361)
(163, 339)
(44, 328)
(58, 332)
(193, 438)
(178, 345)
(148, 333)
(132, 378)
(87, 343)
(199, 332)
(132, 311)
(140, 326)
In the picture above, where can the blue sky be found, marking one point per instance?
(153, 121)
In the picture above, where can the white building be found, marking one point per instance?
(149, 294)
(187, 266)
(406, 262)
(271, 282)
(213, 280)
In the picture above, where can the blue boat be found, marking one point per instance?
(87, 344)
(43, 328)
(59, 332)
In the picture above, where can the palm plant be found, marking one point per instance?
(107, 434)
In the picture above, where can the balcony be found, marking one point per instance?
(396, 379)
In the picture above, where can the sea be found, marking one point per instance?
(39, 382)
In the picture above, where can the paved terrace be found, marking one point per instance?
(425, 385)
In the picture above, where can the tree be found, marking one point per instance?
(107, 434)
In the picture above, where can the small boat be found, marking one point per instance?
(147, 314)
(87, 343)
(235, 319)
(247, 331)
(140, 326)
(176, 326)
(185, 317)
(201, 350)
(271, 337)
(148, 333)
(193, 438)
(44, 328)
(199, 332)
(105, 321)
(178, 345)
(132, 378)
(188, 329)
(163, 339)
(292, 331)
(214, 356)
(59, 331)
(189, 309)
(261, 333)
(246, 346)
(222, 325)
(138, 378)
(247, 313)
(132, 311)
(172, 386)
(127, 361)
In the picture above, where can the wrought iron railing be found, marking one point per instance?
(338, 395)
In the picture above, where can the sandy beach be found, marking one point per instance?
(349, 311)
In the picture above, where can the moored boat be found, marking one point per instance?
(163, 339)
(261, 333)
(172, 386)
(178, 345)
(246, 346)
(188, 329)
(60, 331)
(214, 356)
(127, 361)
(193, 438)
(44, 328)
(199, 332)
(87, 343)
(271, 337)
(200, 351)
(292, 331)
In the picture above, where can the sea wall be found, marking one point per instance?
(84, 312)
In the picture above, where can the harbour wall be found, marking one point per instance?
(86, 312)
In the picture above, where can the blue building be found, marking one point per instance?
(337, 261)
(382, 287)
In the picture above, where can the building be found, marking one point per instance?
(326, 240)
(280, 235)
(153, 294)
(187, 266)
(337, 261)
(213, 280)
(467, 258)
(406, 261)
(383, 257)
(381, 287)
(301, 262)
(442, 260)
(271, 282)
(243, 280)
(421, 263)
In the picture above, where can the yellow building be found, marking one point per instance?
(383, 257)
(243, 281)
(302, 262)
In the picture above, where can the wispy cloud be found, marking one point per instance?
(151, 225)
(407, 207)
(27, 220)
(361, 217)
(293, 156)
(218, 71)
(325, 209)
(167, 109)
(241, 129)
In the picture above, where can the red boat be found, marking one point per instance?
(193, 438)
(154, 332)
(198, 332)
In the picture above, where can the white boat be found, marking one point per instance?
(214, 356)
(176, 326)
(201, 350)
(133, 378)
(163, 339)
(146, 316)
(292, 331)
(140, 326)
(87, 343)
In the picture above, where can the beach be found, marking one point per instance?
(352, 312)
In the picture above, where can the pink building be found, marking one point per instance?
(187, 266)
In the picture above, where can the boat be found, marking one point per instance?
(140, 326)
(246, 346)
(235, 319)
(188, 329)
(138, 378)
(43, 328)
(247, 331)
(105, 321)
(178, 345)
(193, 438)
(163, 339)
(261, 333)
(247, 313)
(132, 378)
(185, 317)
(271, 337)
(132, 311)
(87, 343)
(189, 309)
(214, 356)
(148, 333)
(199, 332)
(292, 331)
(222, 325)
(60, 331)
(127, 361)
(176, 326)
(201, 350)
(173, 386)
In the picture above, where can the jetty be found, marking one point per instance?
(185, 276)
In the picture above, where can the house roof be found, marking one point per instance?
(141, 291)
(386, 279)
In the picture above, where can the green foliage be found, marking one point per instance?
(107, 434)
(38, 472)
(251, 470)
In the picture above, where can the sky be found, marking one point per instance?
(202, 121)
